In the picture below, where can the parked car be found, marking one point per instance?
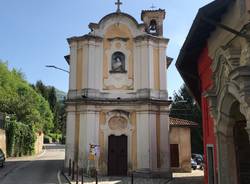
(198, 158)
(193, 164)
(2, 158)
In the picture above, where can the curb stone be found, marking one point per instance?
(66, 177)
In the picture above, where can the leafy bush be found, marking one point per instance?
(30, 110)
(20, 138)
(55, 137)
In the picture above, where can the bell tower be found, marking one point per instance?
(153, 19)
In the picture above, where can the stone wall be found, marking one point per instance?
(39, 143)
(3, 140)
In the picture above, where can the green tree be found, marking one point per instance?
(28, 110)
(19, 99)
(57, 107)
(41, 89)
(185, 107)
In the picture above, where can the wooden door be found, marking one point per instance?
(117, 155)
(174, 151)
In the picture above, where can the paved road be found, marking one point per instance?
(42, 169)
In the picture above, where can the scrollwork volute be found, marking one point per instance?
(245, 49)
(233, 54)
(231, 76)
(221, 69)
(225, 62)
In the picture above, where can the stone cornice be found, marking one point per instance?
(118, 38)
(148, 37)
(159, 11)
(87, 37)
(107, 102)
(94, 26)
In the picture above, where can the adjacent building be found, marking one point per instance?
(215, 64)
(180, 144)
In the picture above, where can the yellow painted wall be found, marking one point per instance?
(181, 136)
(122, 31)
(156, 69)
(79, 72)
(102, 119)
(106, 47)
(134, 141)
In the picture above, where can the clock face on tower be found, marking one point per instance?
(118, 63)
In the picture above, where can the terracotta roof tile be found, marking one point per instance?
(175, 122)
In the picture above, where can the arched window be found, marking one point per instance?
(152, 27)
(118, 63)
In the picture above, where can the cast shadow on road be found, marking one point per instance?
(183, 180)
(30, 172)
(188, 180)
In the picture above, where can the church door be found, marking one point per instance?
(117, 155)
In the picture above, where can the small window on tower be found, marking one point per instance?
(118, 63)
(152, 27)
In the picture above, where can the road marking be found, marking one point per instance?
(66, 177)
(58, 177)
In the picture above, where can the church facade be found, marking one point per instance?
(117, 95)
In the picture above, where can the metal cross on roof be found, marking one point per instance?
(152, 7)
(118, 3)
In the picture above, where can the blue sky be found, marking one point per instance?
(33, 32)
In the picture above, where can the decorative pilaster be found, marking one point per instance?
(70, 139)
(226, 150)
(143, 155)
(73, 67)
(164, 142)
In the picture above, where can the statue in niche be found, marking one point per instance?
(118, 63)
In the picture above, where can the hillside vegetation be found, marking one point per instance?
(27, 111)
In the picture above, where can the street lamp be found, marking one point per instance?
(53, 66)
